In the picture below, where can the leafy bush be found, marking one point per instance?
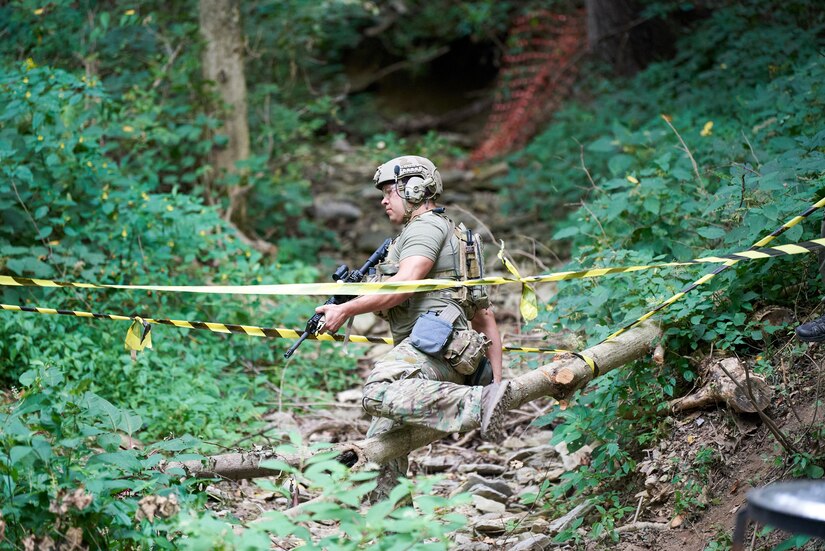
(759, 159)
(411, 517)
(73, 213)
(65, 476)
(72, 473)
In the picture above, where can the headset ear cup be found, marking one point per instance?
(414, 189)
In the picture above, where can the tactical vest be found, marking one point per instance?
(468, 264)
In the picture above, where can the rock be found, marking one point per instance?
(537, 454)
(535, 541)
(280, 422)
(482, 468)
(513, 443)
(368, 324)
(533, 489)
(474, 479)
(518, 455)
(462, 539)
(335, 209)
(351, 395)
(573, 460)
(555, 474)
(528, 475)
(486, 492)
(341, 144)
(488, 505)
(436, 464)
(473, 546)
(493, 523)
(538, 438)
(539, 525)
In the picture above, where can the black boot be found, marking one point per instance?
(812, 331)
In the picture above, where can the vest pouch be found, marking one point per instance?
(465, 350)
(430, 333)
(483, 375)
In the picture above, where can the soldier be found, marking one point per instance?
(421, 381)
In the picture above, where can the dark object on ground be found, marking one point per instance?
(797, 507)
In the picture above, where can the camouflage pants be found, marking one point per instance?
(410, 387)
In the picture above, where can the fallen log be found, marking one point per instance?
(559, 379)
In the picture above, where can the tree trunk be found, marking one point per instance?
(617, 34)
(559, 379)
(223, 64)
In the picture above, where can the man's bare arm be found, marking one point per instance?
(410, 269)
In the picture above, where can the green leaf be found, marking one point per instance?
(176, 444)
(109, 441)
(19, 452)
(23, 173)
(652, 204)
(603, 145)
(814, 471)
(124, 460)
(563, 233)
(130, 422)
(277, 465)
(187, 457)
(620, 164)
(711, 232)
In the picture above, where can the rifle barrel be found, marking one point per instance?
(295, 346)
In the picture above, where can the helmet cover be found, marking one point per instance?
(423, 181)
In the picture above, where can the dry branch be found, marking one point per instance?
(558, 379)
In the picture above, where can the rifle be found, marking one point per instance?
(345, 275)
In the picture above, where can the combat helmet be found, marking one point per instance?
(424, 179)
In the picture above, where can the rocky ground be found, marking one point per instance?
(738, 453)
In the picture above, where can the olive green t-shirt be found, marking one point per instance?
(429, 235)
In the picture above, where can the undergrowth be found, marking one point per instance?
(626, 163)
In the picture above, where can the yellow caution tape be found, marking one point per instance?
(139, 337)
(753, 253)
(424, 285)
(528, 306)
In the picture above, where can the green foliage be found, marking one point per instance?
(64, 472)
(409, 518)
(73, 213)
(759, 150)
(67, 472)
